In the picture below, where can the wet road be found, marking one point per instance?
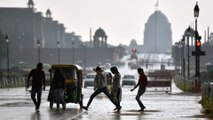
(159, 105)
(15, 104)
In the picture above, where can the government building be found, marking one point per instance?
(36, 38)
(157, 34)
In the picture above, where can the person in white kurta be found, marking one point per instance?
(117, 91)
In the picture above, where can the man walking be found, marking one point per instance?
(100, 86)
(142, 82)
(38, 79)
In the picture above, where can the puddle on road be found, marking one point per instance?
(142, 111)
(133, 112)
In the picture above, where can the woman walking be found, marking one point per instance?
(58, 85)
(116, 90)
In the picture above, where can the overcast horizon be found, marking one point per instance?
(121, 20)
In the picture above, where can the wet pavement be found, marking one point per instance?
(15, 104)
(159, 105)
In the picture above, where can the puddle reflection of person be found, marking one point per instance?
(36, 116)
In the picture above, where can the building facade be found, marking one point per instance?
(25, 27)
(36, 38)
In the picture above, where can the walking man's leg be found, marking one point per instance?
(39, 98)
(105, 91)
(33, 93)
(140, 92)
(98, 91)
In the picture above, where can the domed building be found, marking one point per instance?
(100, 39)
(157, 34)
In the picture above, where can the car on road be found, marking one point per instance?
(89, 80)
(128, 80)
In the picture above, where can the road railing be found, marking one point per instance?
(12, 82)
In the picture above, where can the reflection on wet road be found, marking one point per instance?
(15, 104)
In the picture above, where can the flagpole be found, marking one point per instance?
(156, 6)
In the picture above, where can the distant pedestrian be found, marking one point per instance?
(100, 86)
(38, 79)
(142, 82)
(58, 85)
(116, 91)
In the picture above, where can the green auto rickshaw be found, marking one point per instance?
(73, 84)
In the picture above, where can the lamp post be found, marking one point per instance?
(58, 44)
(188, 33)
(8, 61)
(178, 44)
(38, 44)
(183, 63)
(197, 57)
(73, 53)
(196, 14)
(84, 56)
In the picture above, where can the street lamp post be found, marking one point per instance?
(188, 33)
(197, 62)
(38, 44)
(58, 44)
(180, 58)
(196, 14)
(84, 57)
(188, 58)
(8, 61)
(183, 63)
(73, 53)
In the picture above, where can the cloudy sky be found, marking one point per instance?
(122, 20)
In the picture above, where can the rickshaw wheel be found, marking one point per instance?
(51, 104)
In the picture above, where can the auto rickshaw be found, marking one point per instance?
(73, 83)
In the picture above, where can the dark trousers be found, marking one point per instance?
(36, 91)
(98, 91)
(141, 91)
